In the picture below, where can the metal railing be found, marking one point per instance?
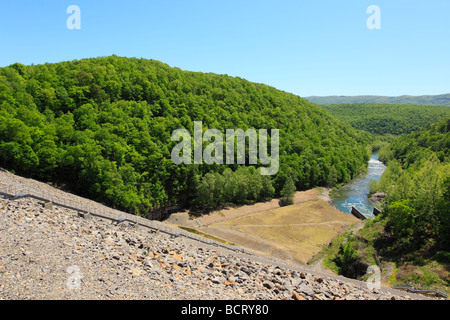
(421, 290)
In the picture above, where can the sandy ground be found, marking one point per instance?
(184, 219)
(293, 233)
(231, 213)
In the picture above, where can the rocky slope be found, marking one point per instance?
(53, 253)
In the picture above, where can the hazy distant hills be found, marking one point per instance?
(387, 118)
(438, 100)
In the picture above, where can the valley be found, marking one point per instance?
(224, 150)
(102, 129)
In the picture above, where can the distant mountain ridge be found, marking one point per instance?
(437, 100)
(387, 118)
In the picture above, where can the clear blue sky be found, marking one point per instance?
(320, 47)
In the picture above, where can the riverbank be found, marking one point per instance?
(355, 192)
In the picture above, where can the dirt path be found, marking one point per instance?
(327, 223)
(318, 267)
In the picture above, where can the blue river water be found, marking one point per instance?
(355, 192)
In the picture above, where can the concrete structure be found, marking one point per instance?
(358, 214)
(376, 211)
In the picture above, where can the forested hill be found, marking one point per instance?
(417, 184)
(387, 118)
(103, 127)
(435, 100)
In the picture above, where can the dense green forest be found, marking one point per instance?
(413, 231)
(426, 100)
(102, 127)
(417, 184)
(385, 119)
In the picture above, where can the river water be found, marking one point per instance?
(355, 192)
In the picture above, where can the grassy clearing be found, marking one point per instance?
(301, 230)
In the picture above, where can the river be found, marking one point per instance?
(355, 192)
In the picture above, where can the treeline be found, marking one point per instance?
(385, 119)
(103, 126)
(417, 185)
(238, 187)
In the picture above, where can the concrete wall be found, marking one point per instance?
(358, 214)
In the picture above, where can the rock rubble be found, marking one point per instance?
(55, 254)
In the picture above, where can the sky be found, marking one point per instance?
(321, 47)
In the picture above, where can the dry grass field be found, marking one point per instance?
(294, 233)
